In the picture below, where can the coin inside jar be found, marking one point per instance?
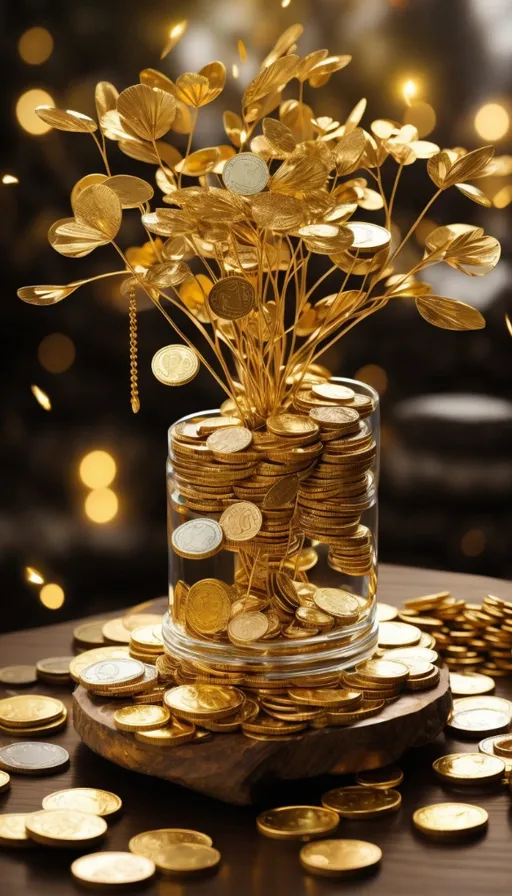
(199, 538)
(338, 603)
(297, 822)
(241, 521)
(340, 858)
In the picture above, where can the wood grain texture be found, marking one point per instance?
(253, 865)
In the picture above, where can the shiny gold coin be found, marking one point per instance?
(232, 298)
(469, 768)
(398, 634)
(297, 822)
(89, 634)
(84, 799)
(148, 638)
(386, 612)
(470, 684)
(246, 628)
(140, 717)
(112, 673)
(171, 735)
(30, 710)
(382, 778)
(340, 858)
(198, 539)
(116, 869)
(18, 675)
(383, 671)
(115, 632)
(141, 620)
(175, 365)
(186, 858)
(241, 521)
(5, 781)
(12, 829)
(54, 667)
(484, 701)
(210, 701)
(403, 654)
(334, 698)
(338, 603)
(245, 173)
(37, 730)
(362, 802)
(450, 821)
(333, 392)
(230, 440)
(65, 827)
(207, 606)
(479, 722)
(368, 708)
(334, 417)
(80, 662)
(291, 425)
(154, 844)
(281, 493)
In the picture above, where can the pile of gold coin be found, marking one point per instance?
(32, 715)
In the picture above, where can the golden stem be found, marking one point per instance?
(134, 385)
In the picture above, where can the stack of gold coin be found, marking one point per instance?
(118, 677)
(362, 802)
(297, 822)
(176, 850)
(54, 670)
(89, 635)
(31, 716)
(65, 828)
(146, 643)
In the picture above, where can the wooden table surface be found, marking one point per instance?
(252, 865)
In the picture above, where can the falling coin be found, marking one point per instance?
(102, 869)
(241, 521)
(175, 365)
(232, 297)
(297, 822)
(245, 174)
(450, 821)
(340, 858)
(33, 758)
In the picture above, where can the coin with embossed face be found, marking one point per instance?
(140, 717)
(196, 700)
(297, 822)
(175, 365)
(112, 672)
(198, 538)
(229, 440)
(340, 858)
(33, 758)
(26, 711)
(247, 627)
(84, 799)
(208, 606)
(65, 827)
(232, 297)
(241, 521)
(117, 869)
(245, 174)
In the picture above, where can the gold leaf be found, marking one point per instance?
(475, 194)
(265, 106)
(322, 71)
(112, 127)
(199, 162)
(242, 52)
(168, 273)
(438, 167)
(471, 165)
(98, 207)
(407, 286)
(283, 44)
(87, 181)
(146, 112)
(145, 152)
(105, 95)
(355, 115)
(308, 62)
(299, 175)
(449, 314)
(175, 248)
(261, 147)
(233, 125)
(151, 77)
(47, 295)
(273, 77)
(165, 181)
(225, 152)
(74, 240)
(279, 136)
(175, 34)
(212, 204)
(168, 222)
(384, 128)
(66, 120)
(215, 73)
(371, 201)
(193, 89)
(194, 290)
(298, 117)
(131, 191)
(277, 212)
(349, 150)
(423, 149)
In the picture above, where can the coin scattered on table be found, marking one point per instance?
(479, 722)
(469, 768)
(484, 701)
(297, 822)
(175, 365)
(141, 620)
(33, 758)
(340, 858)
(54, 669)
(5, 781)
(178, 732)
(503, 746)
(89, 634)
(84, 799)
(383, 778)
(141, 718)
(187, 858)
(154, 844)
(101, 869)
(362, 802)
(386, 612)
(112, 672)
(37, 730)
(398, 634)
(80, 662)
(32, 709)
(115, 632)
(18, 675)
(12, 829)
(488, 746)
(470, 683)
(450, 821)
(65, 827)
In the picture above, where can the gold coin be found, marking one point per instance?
(297, 822)
(248, 627)
(386, 613)
(332, 697)
(154, 844)
(340, 858)
(291, 425)
(5, 781)
(80, 662)
(30, 710)
(484, 701)
(18, 675)
(469, 768)
(381, 670)
(368, 236)
(148, 637)
(470, 684)
(479, 722)
(231, 298)
(245, 173)
(398, 634)
(241, 521)
(102, 869)
(270, 727)
(175, 365)
(382, 778)
(54, 667)
(177, 732)
(210, 701)
(503, 746)
(404, 654)
(450, 821)
(208, 606)
(229, 440)
(89, 634)
(333, 392)
(334, 417)
(362, 802)
(65, 827)
(184, 857)
(12, 829)
(114, 632)
(84, 799)
(140, 620)
(282, 492)
(141, 717)
(37, 730)
(199, 538)
(338, 603)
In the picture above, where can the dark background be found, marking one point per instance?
(447, 460)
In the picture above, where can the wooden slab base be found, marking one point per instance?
(232, 768)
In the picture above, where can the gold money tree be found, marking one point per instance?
(244, 242)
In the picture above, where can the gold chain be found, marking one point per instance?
(134, 374)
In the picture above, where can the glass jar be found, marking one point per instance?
(255, 574)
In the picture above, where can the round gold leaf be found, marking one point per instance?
(99, 207)
(274, 77)
(199, 162)
(131, 191)
(283, 44)
(168, 222)
(475, 194)
(449, 314)
(87, 181)
(279, 136)
(46, 295)
(66, 120)
(146, 112)
(73, 239)
(349, 150)
(276, 211)
(193, 89)
(215, 73)
(105, 95)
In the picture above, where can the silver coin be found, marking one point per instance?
(475, 722)
(32, 757)
(150, 675)
(368, 236)
(107, 672)
(198, 538)
(245, 174)
(54, 665)
(483, 701)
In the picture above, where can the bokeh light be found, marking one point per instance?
(56, 352)
(492, 121)
(101, 505)
(472, 543)
(285, 3)
(35, 45)
(26, 110)
(97, 469)
(33, 576)
(234, 70)
(409, 90)
(41, 397)
(422, 116)
(52, 596)
(503, 197)
(508, 324)
(374, 376)
(10, 179)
